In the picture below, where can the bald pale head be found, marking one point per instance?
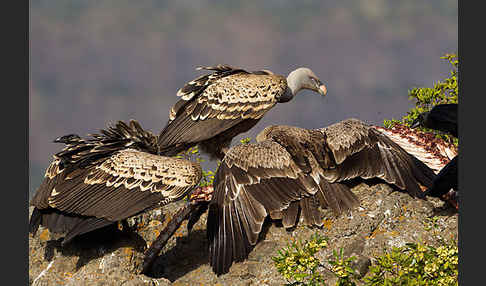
(304, 78)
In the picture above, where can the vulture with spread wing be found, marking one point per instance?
(442, 117)
(292, 169)
(218, 106)
(106, 178)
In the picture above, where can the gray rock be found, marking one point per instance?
(361, 264)
(384, 219)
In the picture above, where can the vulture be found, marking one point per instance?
(442, 117)
(107, 178)
(291, 170)
(216, 107)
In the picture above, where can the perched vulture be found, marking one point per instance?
(291, 169)
(442, 117)
(106, 178)
(216, 107)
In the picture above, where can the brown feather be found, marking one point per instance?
(291, 170)
(109, 177)
(215, 104)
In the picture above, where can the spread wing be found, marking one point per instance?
(361, 151)
(91, 183)
(216, 102)
(292, 169)
(253, 181)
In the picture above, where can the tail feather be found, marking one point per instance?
(60, 222)
(35, 221)
(85, 226)
(54, 220)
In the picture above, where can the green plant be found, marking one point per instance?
(341, 267)
(445, 91)
(431, 223)
(193, 154)
(297, 262)
(416, 264)
(246, 140)
(207, 178)
(411, 264)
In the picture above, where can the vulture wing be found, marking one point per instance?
(217, 102)
(255, 180)
(445, 181)
(362, 151)
(309, 150)
(252, 181)
(96, 182)
(292, 169)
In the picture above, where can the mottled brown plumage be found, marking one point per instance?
(291, 169)
(218, 106)
(106, 178)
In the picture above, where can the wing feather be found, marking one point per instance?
(108, 177)
(310, 211)
(216, 102)
(255, 180)
(290, 214)
(103, 190)
(240, 205)
(292, 169)
(367, 153)
(346, 138)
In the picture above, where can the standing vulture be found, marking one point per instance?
(106, 178)
(216, 107)
(291, 168)
(442, 117)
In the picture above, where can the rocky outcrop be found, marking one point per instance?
(385, 218)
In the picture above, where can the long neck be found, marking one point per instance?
(294, 81)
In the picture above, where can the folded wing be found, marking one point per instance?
(229, 98)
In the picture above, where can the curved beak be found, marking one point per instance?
(420, 121)
(416, 123)
(322, 90)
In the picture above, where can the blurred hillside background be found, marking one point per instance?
(96, 62)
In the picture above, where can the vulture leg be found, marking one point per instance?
(200, 209)
(182, 214)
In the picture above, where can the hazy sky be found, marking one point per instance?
(95, 62)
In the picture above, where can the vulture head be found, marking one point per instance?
(420, 120)
(304, 78)
(441, 117)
